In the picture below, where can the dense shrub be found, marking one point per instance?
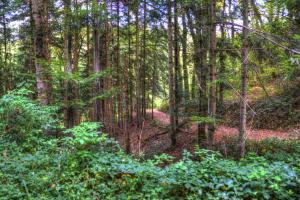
(273, 149)
(56, 171)
(86, 164)
(21, 117)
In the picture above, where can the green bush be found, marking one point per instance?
(86, 164)
(273, 149)
(20, 117)
(60, 172)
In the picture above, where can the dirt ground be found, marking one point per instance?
(153, 137)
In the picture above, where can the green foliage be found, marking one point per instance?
(86, 164)
(55, 172)
(161, 159)
(20, 117)
(83, 135)
(200, 120)
(273, 149)
(103, 74)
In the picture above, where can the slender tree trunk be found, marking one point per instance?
(222, 59)
(243, 100)
(177, 76)
(153, 91)
(114, 119)
(96, 62)
(71, 57)
(105, 62)
(119, 82)
(212, 74)
(126, 105)
(143, 72)
(6, 69)
(76, 55)
(137, 69)
(200, 66)
(194, 84)
(202, 133)
(130, 75)
(31, 50)
(89, 66)
(184, 61)
(42, 52)
(68, 114)
(171, 76)
(195, 47)
(108, 80)
(231, 18)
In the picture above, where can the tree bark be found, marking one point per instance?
(171, 76)
(127, 134)
(68, 64)
(222, 59)
(212, 74)
(130, 75)
(203, 100)
(184, 61)
(118, 66)
(42, 52)
(243, 99)
(96, 62)
(143, 72)
(177, 73)
(71, 115)
(137, 69)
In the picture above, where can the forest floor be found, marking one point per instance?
(153, 137)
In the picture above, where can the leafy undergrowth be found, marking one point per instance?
(58, 170)
(279, 111)
(86, 164)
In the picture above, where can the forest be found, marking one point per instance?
(149, 99)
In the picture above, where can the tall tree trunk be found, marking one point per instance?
(171, 76)
(6, 69)
(2, 69)
(222, 59)
(118, 66)
(144, 68)
(203, 73)
(31, 50)
(212, 74)
(75, 62)
(71, 115)
(107, 109)
(153, 90)
(130, 75)
(200, 65)
(42, 52)
(68, 64)
(137, 69)
(177, 73)
(243, 100)
(89, 61)
(96, 62)
(184, 61)
(231, 18)
(126, 91)
(114, 119)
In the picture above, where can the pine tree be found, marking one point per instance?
(243, 99)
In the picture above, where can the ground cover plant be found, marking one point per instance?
(87, 164)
